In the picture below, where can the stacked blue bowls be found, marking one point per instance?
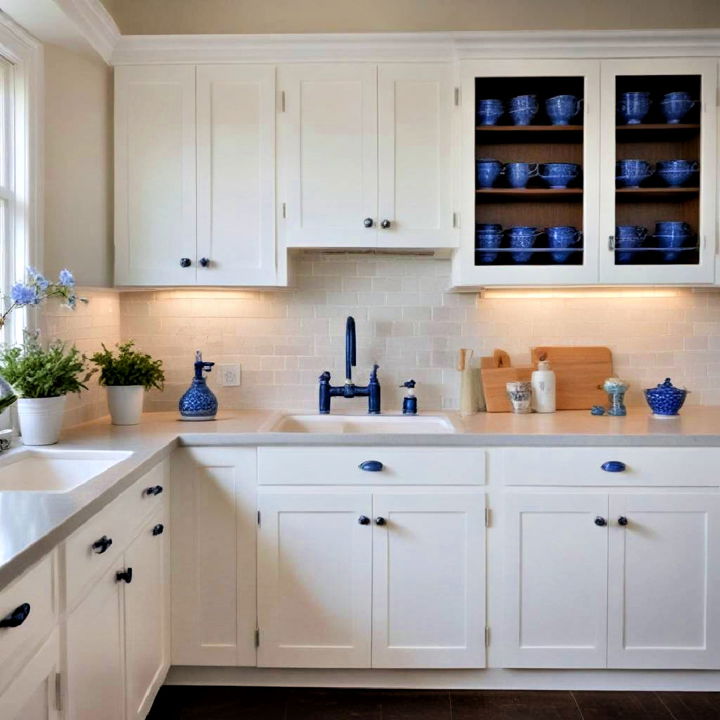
(489, 111)
(628, 237)
(487, 236)
(519, 173)
(673, 235)
(675, 106)
(676, 172)
(522, 237)
(630, 173)
(523, 109)
(558, 175)
(487, 171)
(561, 108)
(562, 236)
(634, 106)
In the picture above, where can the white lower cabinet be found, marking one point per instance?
(619, 581)
(359, 579)
(214, 521)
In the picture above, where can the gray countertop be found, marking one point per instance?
(32, 524)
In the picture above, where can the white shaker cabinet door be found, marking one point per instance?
(236, 174)
(664, 592)
(314, 580)
(213, 523)
(147, 617)
(415, 153)
(429, 580)
(328, 154)
(95, 653)
(155, 175)
(556, 580)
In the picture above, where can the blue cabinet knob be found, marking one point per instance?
(614, 466)
(371, 466)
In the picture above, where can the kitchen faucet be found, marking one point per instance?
(349, 389)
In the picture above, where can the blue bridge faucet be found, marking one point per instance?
(349, 389)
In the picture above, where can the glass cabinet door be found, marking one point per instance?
(529, 164)
(657, 172)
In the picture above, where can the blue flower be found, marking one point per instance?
(24, 294)
(66, 278)
(38, 279)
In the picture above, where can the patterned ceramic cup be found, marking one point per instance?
(520, 395)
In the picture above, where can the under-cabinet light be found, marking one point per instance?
(537, 293)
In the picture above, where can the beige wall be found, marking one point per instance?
(149, 17)
(78, 166)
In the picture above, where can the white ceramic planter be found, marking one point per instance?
(125, 403)
(41, 419)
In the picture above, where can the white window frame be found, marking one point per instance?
(25, 243)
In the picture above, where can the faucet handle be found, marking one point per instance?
(325, 377)
(373, 374)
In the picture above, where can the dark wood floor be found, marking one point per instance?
(223, 703)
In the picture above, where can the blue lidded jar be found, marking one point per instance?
(665, 400)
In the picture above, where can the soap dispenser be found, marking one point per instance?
(409, 401)
(543, 388)
(199, 401)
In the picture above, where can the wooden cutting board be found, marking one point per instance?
(579, 372)
(495, 372)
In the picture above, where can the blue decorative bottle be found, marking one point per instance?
(199, 402)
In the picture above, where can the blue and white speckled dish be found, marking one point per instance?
(665, 400)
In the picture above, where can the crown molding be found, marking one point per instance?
(95, 23)
(409, 47)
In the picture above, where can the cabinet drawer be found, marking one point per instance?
(37, 588)
(85, 556)
(383, 466)
(584, 466)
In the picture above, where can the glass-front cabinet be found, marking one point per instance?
(658, 171)
(584, 172)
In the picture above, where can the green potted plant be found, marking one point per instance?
(126, 375)
(42, 378)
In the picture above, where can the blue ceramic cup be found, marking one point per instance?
(522, 237)
(558, 175)
(487, 172)
(628, 236)
(673, 235)
(634, 106)
(675, 106)
(519, 173)
(523, 109)
(489, 111)
(561, 108)
(630, 173)
(676, 172)
(487, 236)
(562, 236)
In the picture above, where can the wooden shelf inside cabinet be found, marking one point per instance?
(657, 132)
(528, 194)
(669, 127)
(521, 134)
(671, 194)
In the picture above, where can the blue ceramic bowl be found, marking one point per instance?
(558, 175)
(561, 108)
(522, 237)
(634, 106)
(676, 172)
(489, 111)
(665, 400)
(630, 173)
(629, 237)
(487, 171)
(522, 116)
(487, 241)
(519, 173)
(562, 236)
(675, 106)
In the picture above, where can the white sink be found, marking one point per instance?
(55, 471)
(360, 424)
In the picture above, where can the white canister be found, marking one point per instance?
(543, 388)
(41, 419)
(125, 403)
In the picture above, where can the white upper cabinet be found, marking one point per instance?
(365, 155)
(154, 175)
(236, 175)
(684, 254)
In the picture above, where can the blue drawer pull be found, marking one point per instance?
(371, 466)
(614, 466)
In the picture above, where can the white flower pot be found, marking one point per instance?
(125, 403)
(41, 419)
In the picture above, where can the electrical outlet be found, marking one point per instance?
(229, 375)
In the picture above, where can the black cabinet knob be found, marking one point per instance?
(17, 617)
(185, 262)
(385, 224)
(364, 520)
(204, 262)
(368, 222)
(600, 521)
(100, 546)
(124, 576)
(380, 521)
(154, 490)
(622, 520)
(159, 529)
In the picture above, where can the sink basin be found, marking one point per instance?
(55, 471)
(363, 424)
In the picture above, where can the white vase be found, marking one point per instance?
(41, 419)
(125, 403)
